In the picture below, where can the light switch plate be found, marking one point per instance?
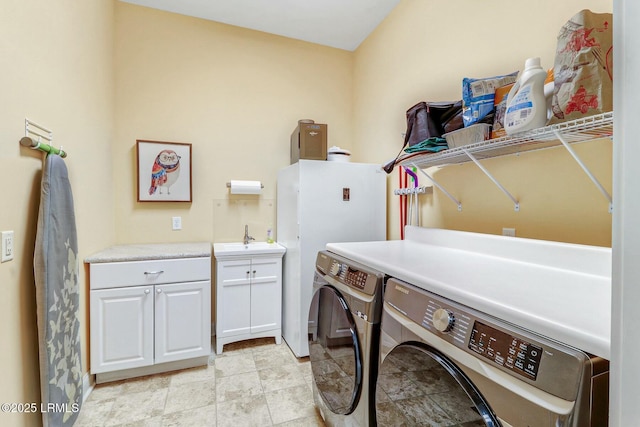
(177, 222)
(7, 246)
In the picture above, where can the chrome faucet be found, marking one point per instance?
(247, 238)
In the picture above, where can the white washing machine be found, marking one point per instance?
(344, 333)
(445, 364)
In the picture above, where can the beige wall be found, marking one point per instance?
(102, 74)
(57, 70)
(236, 96)
(421, 52)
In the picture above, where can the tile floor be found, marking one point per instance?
(252, 383)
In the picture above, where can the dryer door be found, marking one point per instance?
(334, 351)
(419, 386)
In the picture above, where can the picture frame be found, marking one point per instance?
(163, 171)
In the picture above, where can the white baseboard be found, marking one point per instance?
(88, 383)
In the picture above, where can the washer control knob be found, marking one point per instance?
(443, 320)
(336, 269)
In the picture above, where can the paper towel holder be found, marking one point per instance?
(245, 187)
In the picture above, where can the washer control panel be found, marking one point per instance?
(549, 365)
(461, 329)
(505, 350)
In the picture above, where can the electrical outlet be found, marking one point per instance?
(177, 222)
(7, 246)
(511, 232)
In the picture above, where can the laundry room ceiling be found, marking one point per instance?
(342, 24)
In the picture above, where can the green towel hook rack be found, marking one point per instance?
(41, 133)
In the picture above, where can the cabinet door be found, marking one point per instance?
(233, 298)
(121, 328)
(266, 294)
(182, 320)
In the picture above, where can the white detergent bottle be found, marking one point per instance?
(526, 103)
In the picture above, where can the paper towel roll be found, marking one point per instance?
(245, 187)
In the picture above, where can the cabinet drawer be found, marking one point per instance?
(153, 272)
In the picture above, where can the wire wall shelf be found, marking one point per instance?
(581, 130)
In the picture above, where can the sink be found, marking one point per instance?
(234, 249)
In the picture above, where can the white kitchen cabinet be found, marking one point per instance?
(149, 315)
(182, 321)
(121, 328)
(248, 298)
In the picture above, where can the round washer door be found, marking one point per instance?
(334, 351)
(419, 386)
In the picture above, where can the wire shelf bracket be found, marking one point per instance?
(440, 187)
(586, 170)
(516, 204)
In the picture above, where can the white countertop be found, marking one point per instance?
(559, 290)
(236, 250)
(141, 252)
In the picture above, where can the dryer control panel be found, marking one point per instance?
(360, 286)
(348, 272)
(349, 275)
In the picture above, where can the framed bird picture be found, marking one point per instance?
(164, 171)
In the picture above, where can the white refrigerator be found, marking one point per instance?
(319, 202)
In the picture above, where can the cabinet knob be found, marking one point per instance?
(147, 291)
(159, 291)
